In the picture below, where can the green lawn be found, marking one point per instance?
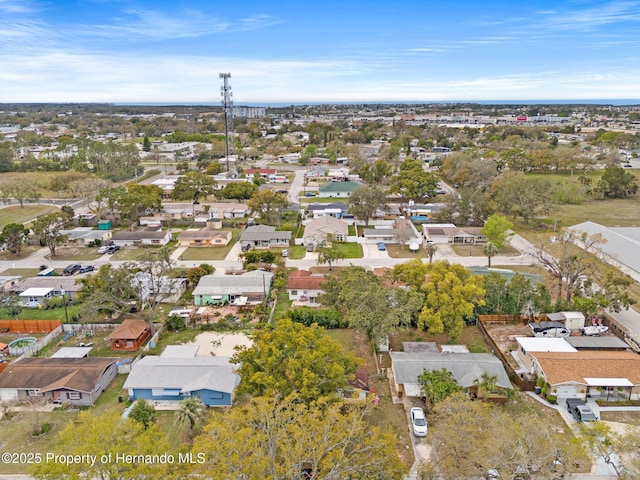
(477, 250)
(21, 272)
(397, 251)
(49, 314)
(211, 253)
(134, 253)
(351, 250)
(173, 338)
(297, 252)
(282, 306)
(16, 214)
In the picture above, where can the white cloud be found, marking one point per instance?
(17, 6)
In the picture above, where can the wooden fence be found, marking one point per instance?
(28, 326)
(508, 319)
(524, 385)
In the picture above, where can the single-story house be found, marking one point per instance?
(173, 378)
(86, 236)
(449, 233)
(264, 236)
(147, 236)
(530, 345)
(336, 210)
(608, 342)
(249, 288)
(570, 320)
(304, 288)
(60, 285)
(316, 172)
(337, 189)
(204, 237)
(165, 290)
(180, 211)
(35, 297)
(316, 230)
(130, 335)
(75, 381)
(262, 172)
(596, 373)
(467, 369)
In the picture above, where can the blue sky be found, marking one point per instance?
(318, 51)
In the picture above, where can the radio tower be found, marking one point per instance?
(227, 103)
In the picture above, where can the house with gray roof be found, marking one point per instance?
(249, 288)
(86, 236)
(147, 236)
(336, 210)
(264, 236)
(467, 369)
(178, 374)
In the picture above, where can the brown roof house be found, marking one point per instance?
(147, 236)
(304, 288)
(75, 381)
(316, 230)
(609, 374)
(204, 237)
(130, 335)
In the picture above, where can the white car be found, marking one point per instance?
(418, 422)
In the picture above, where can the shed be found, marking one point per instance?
(72, 352)
(105, 224)
(570, 320)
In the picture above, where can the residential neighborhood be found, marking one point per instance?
(400, 279)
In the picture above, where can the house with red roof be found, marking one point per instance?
(304, 288)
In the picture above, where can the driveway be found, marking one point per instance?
(370, 250)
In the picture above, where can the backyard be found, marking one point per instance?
(211, 253)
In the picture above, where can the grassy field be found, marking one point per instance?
(17, 214)
(41, 179)
(77, 253)
(477, 250)
(49, 314)
(131, 253)
(21, 272)
(282, 306)
(297, 252)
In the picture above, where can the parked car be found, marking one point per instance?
(111, 249)
(86, 268)
(418, 422)
(71, 269)
(627, 165)
(381, 246)
(310, 247)
(285, 253)
(580, 410)
(309, 194)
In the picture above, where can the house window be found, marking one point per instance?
(294, 293)
(340, 237)
(34, 392)
(155, 242)
(74, 395)
(33, 299)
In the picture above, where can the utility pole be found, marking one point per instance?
(227, 103)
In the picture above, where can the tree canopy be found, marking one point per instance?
(412, 181)
(285, 439)
(291, 358)
(47, 228)
(268, 204)
(193, 186)
(364, 201)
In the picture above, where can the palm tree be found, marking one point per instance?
(191, 410)
(486, 384)
(489, 249)
(431, 249)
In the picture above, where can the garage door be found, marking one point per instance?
(7, 394)
(566, 391)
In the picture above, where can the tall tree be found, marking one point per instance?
(239, 190)
(285, 439)
(437, 385)
(521, 195)
(268, 205)
(146, 144)
(489, 249)
(106, 436)
(497, 230)
(291, 358)
(413, 182)
(109, 291)
(47, 228)
(365, 201)
(329, 252)
(193, 186)
(620, 183)
(13, 236)
(573, 257)
(140, 198)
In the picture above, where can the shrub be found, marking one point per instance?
(552, 399)
(325, 317)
